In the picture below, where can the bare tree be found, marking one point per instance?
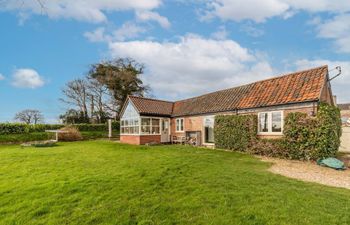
(98, 96)
(29, 116)
(76, 94)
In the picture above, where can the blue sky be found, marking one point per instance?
(188, 47)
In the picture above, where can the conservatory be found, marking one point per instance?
(136, 128)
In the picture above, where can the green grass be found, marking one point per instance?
(100, 182)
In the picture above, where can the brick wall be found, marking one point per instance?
(139, 140)
(195, 123)
(326, 95)
(192, 123)
(149, 139)
(130, 139)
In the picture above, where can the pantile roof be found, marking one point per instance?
(298, 87)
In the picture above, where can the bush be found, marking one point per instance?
(269, 147)
(305, 137)
(20, 138)
(329, 131)
(13, 128)
(71, 133)
(235, 132)
(115, 125)
(20, 128)
(300, 135)
(313, 137)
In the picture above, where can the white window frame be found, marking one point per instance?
(204, 126)
(150, 126)
(130, 113)
(178, 125)
(269, 123)
(123, 126)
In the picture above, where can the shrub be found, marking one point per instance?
(329, 131)
(300, 135)
(269, 147)
(305, 137)
(13, 128)
(20, 138)
(20, 128)
(115, 125)
(313, 137)
(71, 133)
(235, 132)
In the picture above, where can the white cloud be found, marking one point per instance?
(259, 11)
(251, 30)
(313, 6)
(238, 10)
(98, 35)
(341, 84)
(127, 31)
(193, 65)
(82, 10)
(27, 78)
(153, 16)
(220, 34)
(2, 77)
(338, 29)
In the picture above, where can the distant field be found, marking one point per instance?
(101, 182)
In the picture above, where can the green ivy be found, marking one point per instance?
(305, 137)
(235, 132)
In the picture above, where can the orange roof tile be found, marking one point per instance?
(148, 106)
(302, 86)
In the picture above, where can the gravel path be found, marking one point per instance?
(309, 171)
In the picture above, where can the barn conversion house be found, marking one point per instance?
(145, 120)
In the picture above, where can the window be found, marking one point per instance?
(180, 125)
(130, 126)
(155, 126)
(270, 122)
(264, 120)
(276, 121)
(150, 126)
(129, 123)
(209, 129)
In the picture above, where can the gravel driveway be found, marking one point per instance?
(309, 171)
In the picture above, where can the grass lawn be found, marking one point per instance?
(100, 182)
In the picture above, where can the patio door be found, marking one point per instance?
(165, 130)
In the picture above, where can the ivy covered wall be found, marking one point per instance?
(305, 137)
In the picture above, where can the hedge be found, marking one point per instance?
(41, 136)
(27, 137)
(19, 128)
(305, 137)
(313, 137)
(235, 132)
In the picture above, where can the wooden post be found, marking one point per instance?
(110, 128)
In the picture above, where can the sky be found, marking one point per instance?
(188, 47)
